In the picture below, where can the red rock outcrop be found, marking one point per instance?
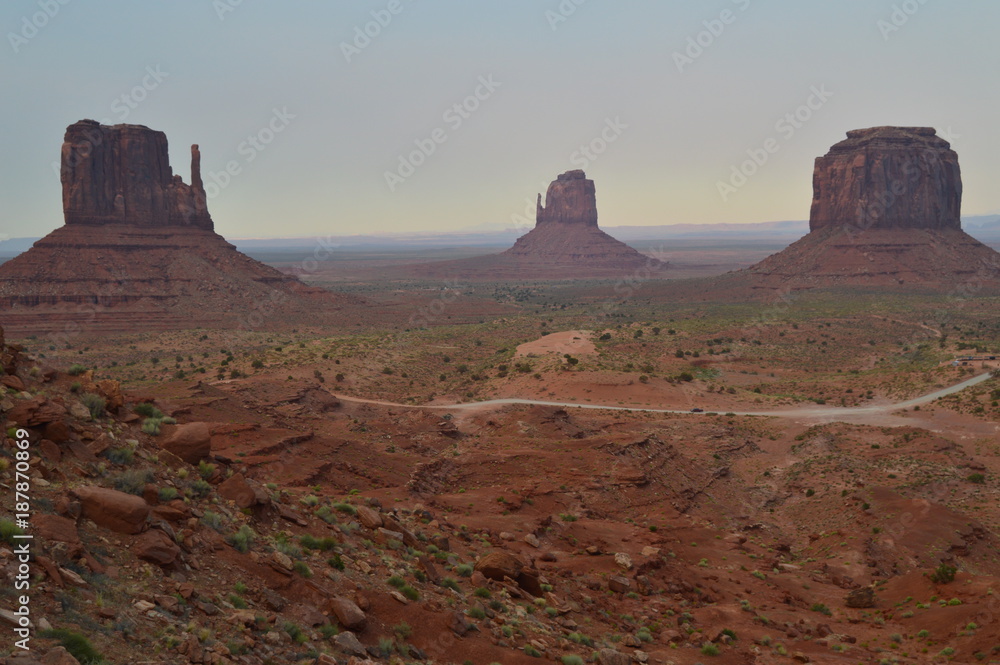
(138, 251)
(885, 214)
(888, 178)
(122, 175)
(570, 199)
(565, 243)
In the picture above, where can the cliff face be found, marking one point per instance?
(570, 199)
(121, 175)
(886, 215)
(888, 178)
(139, 252)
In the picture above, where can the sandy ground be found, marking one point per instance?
(573, 342)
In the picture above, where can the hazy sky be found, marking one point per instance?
(671, 95)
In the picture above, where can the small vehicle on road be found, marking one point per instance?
(697, 410)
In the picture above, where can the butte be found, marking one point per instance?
(566, 243)
(886, 216)
(138, 250)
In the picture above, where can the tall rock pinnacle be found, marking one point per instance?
(570, 199)
(121, 175)
(887, 178)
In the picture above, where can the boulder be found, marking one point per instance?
(369, 518)
(863, 598)
(349, 644)
(497, 565)
(192, 442)
(612, 657)
(238, 490)
(112, 509)
(55, 528)
(156, 547)
(348, 614)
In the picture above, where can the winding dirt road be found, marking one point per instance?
(821, 412)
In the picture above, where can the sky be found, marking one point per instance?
(392, 116)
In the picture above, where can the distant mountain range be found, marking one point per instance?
(985, 228)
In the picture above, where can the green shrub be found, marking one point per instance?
(344, 507)
(205, 469)
(709, 649)
(310, 500)
(821, 608)
(944, 574)
(77, 645)
(94, 403)
(302, 569)
(464, 570)
(147, 410)
(132, 481)
(200, 488)
(167, 494)
(572, 660)
(532, 651)
(151, 426)
(450, 583)
(122, 455)
(476, 612)
(76, 369)
(336, 562)
(237, 602)
(328, 630)
(9, 529)
(242, 539)
(295, 632)
(410, 593)
(977, 478)
(212, 520)
(402, 630)
(482, 592)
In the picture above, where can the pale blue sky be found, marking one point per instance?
(609, 64)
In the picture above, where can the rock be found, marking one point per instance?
(497, 565)
(121, 200)
(282, 560)
(12, 381)
(59, 656)
(307, 615)
(570, 199)
(612, 657)
(156, 547)
(191, 442)
(34, 412)
(348, 613)
(623, 561)
(800, 657)
(460, 625)
(619, 584)
(55, 528)
(143, 605)
(369, 517)
(349, 644)
(79, 411)
(566, 229)
(863, 598)
(854, 183)
(532, 540)
(650, 551)
(112, 509)
(121, 175)
(238, 490)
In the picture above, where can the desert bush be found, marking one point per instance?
(94, 403)
(212, 520)
(147, 410)
(944, 574)
(76, 369)
(167, 494)
(242, 539)
(123, 455)
(76, 644)
(132, 481)
(9, 529)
